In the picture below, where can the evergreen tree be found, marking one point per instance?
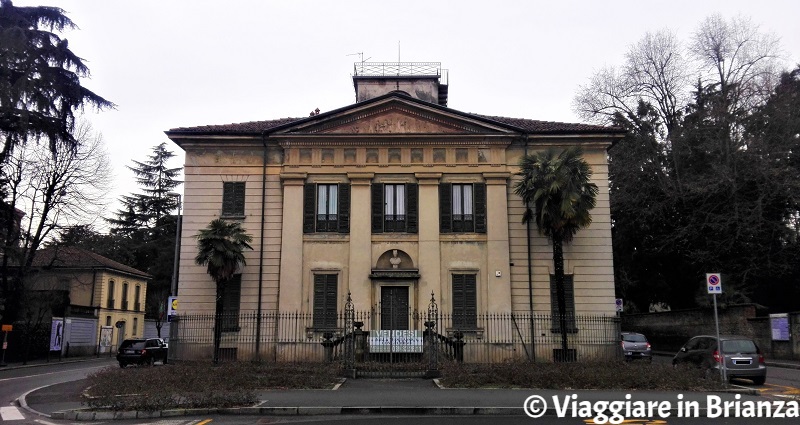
(40, 85)
(147, 227)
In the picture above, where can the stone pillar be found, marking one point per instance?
(429, 244)
(291, 269)
(498, 288)
(360, 263)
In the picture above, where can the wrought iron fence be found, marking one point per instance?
(419, 340)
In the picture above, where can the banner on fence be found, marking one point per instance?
(56, 334)
(395, 341)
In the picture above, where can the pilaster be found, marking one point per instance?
(498, 279)
(429, 242)
(291, 266)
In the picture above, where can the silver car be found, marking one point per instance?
(635, 346)
(742, 357)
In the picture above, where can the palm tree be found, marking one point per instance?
(220, 247)
(558, 187)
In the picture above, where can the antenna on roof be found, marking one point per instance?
(360, 56)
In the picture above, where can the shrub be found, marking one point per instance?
(588, 375)
(199, 385)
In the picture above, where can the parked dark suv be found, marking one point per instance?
(142, 351)
(635, 346)
(741, 356)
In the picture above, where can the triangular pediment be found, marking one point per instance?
(395, 116)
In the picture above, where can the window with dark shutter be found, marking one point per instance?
(412, 208)
(395, 207)
(376, 204)
(479, 189)
(309, 211)
(231, 299)
(394, 210)
(569, 301)
(326, 208)
(465, 301)
(445, 206)
(344, 208)
(325, 301)
(233, 199)
(110, 301)
(462, 208)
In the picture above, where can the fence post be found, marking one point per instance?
(430, 337)
(349, 338)
(458, 346)
(327, 342)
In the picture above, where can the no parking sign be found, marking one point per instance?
(714, 283)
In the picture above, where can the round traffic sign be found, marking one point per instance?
(714, 283)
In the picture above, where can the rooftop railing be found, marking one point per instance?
(387, 69)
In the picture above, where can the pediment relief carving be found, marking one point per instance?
(395, 120)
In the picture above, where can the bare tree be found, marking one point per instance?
(737, 56)
(655, 71)
(53, 190)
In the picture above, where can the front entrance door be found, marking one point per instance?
(394, 308)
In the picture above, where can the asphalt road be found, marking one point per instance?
(15, 382)
(782, 384)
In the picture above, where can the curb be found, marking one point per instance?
(53, 363)
(88, 415)
(23, 402)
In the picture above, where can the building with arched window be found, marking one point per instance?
(393, 203)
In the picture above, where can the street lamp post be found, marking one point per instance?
(173, 291)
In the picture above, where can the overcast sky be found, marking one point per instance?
(171, 63)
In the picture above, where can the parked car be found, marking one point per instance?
(740, 355)
(635, 346)
(142, 351)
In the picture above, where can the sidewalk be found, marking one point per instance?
(52, 361)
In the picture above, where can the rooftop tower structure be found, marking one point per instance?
(421, 80)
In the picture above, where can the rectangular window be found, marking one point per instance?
(326, 208)
(233, 199)
(325, 293)
(231, 298)
(465, 301)
(135, 325)
(569, 299)
(110, 303)
(125, 296)
(394, 207)
(462, 208)
(394, 213)
(137, 306)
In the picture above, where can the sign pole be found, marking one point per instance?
(5, 344)
(719, 345)
(714, 286)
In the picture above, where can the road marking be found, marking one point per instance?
(11, 413)
(166, 422)
(633, 421)
(50, 373)
(44, 422)
(204, 422)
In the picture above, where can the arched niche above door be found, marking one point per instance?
(394, 259)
